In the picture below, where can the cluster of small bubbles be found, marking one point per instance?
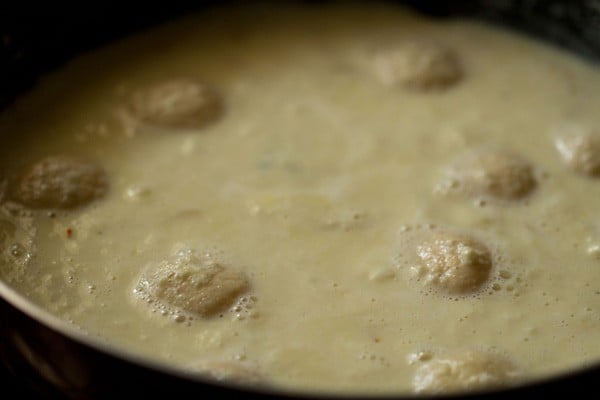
(70, 276)
(17, 232)
(157, 307)
(244, 308)
(505, 280)
(368, 356)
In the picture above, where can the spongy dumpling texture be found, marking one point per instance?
(194, 285)
(61, 182)
(462, 371)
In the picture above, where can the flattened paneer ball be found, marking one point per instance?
(419, 65)
(580, 151)
(494, 173)
(464, 371)
(177, 104)
(194, 285)
(61, 182)
(454, 262)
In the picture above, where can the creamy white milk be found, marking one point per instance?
(317, 181)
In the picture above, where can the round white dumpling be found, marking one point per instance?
(464, 371)
(192, 284)
(457, 263)
(580, 151)
(493, 173)
(177, 104)
(419, 65)
(61, 182)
